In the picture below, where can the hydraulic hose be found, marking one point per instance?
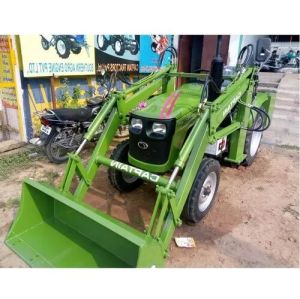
(243, 62)
(264, 116)
(171, 50)
(265, 119)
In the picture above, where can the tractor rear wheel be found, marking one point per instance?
(135, 48)
(120, 180)
(252, 143)
(203, 192)
(62, 48)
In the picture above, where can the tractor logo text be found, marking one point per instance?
(233, 102)
(132, 170)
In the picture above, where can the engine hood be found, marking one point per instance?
(176, 105)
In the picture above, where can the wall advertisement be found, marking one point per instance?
(117, 53)
(152, 46)
(57, 55)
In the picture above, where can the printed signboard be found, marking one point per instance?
(117, 53)
(151, 48)
(59, 55)
(8, 96)
(6, 73)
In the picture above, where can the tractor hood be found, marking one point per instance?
(176, 105)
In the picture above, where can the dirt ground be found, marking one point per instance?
(254, 222)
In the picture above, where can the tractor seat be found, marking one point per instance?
(78, 114)
(94, 101)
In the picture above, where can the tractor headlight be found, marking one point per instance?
(159, 128)
(136, 125)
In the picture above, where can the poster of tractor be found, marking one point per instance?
(48, 55)
(117, 53)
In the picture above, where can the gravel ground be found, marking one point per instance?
(254, 222)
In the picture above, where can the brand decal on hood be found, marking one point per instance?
(169, 105)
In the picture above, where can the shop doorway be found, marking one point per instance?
(195, 52)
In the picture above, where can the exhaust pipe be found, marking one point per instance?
(216, 71)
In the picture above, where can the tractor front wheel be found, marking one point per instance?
(119, 46)
(45, 44)
(76, 50)
(120, 180)
(102, 42)
(203, 192)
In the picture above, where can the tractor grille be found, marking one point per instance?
(147, 147)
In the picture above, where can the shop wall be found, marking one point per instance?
(37, 95)
(237, 42)
(11, 113)
(36, 68)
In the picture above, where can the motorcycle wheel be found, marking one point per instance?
(56, 153)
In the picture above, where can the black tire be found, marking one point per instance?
(76, 50)
(102, 42)
(122, 182)
(252, 143)
(153, 47)
(55, 157)
(62, 48)
(45, 44)
(119, 46)
(135, 49)
(208, 174)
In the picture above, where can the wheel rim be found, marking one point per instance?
(207, 191)
(255, 141)
(129, 179)
(44, 44)
(61, 47)
(58, 151)
(118, 46)
(100, 41)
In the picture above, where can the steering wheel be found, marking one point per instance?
(244, 56)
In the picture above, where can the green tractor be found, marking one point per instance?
(177, 138)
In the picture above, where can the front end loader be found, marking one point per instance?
(177, 137)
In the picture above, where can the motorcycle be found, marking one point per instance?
(276, 62)
(273, 64)
(62, 129)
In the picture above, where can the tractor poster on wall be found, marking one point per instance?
(117, 53)
(48, 55)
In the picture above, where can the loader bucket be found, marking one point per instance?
(53, 230)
